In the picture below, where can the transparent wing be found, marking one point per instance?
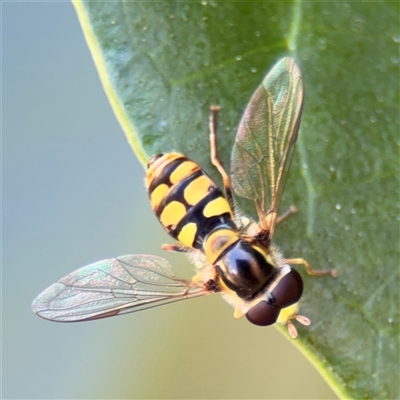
(265, 140)
(112, 287)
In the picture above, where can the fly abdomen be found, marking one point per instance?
(186, 201)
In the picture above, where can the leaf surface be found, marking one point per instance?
(164, 63)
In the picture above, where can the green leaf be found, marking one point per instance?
(164, 63)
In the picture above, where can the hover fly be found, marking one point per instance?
(233, 255)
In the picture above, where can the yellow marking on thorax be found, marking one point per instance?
(217, 242)
(217, 207)
(265, 254)
(183, 170)
(187, 234)
(172, 213)
(197, 189)
(158, 195)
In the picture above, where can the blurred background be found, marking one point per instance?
(73, 194)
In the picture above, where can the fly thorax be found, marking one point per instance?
(245, 269)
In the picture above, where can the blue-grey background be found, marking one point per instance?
(73, 194)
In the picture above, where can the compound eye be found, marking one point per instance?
(262, 314)
(289, 290)
(153, 158)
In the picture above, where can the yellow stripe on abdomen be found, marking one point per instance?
(158, 195)
(217, 242)
(217, 207)
(187, 234)
(158, 166)
(185, 169)
(197, 190)
(172, 214)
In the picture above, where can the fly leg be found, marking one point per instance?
(214, 155)
(178, 247)
(302, 261)
(287, 213)
(308, 268)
